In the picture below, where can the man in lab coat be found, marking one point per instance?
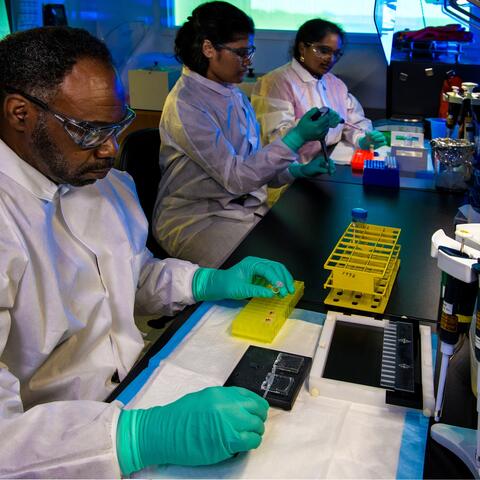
(73, 270)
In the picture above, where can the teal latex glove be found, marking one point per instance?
(201, 428)
(243, 280)
(317, 166)
(308, 129)
(375, 138)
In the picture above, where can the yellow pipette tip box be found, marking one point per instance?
(262, 318)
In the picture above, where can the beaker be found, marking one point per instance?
(452, 159)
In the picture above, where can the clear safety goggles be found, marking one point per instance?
(245, 53)
(324, 51)
(85, 134)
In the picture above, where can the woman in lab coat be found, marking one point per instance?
(281, 97)
(214, 172)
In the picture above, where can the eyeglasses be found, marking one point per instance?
(85, 134)
(324, 51)
(245, 53)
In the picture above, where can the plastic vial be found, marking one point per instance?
(359, 215)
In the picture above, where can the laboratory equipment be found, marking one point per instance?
(359, 215)
(382, 173)
(463, 109)
(461, 10)
(276, 376)
(457, 308)
(459, 259)
(454, 101)
(410, 159)
(363, 265)
(452, 160)
(409, 152)
(406, 139)
(314, 123)
(351, 125)
(376, 362)
(320, 113)
(262, 318)
(359, 157)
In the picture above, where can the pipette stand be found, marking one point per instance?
(463, 442)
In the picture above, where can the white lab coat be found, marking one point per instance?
(73, 267)
(214, 171)
(281, 97)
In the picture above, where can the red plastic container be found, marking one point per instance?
(358, 159)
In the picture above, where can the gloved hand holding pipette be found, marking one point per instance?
(314, 125)
(321, 164)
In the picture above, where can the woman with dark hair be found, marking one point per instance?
(281, 97)
(214, 172)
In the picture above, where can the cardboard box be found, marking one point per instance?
(149, 88)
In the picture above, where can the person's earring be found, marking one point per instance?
(302, 58)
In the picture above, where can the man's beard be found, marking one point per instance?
(45, 149)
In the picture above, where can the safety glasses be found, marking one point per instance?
(245, 53)
(324, 51)
(85, 134)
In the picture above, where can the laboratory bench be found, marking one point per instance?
(301, 230)
(311, 216)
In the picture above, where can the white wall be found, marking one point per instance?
(133, 29)
(363, 67)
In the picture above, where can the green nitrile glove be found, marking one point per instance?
(241, 280)
(201, 428)
(375, 138)
(316, 166)
(308, 129)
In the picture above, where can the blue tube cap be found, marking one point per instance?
(359, 214)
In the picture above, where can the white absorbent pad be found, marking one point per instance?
(319, 438)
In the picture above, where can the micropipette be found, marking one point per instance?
(457, 308)
(351, 125)
(320, 113)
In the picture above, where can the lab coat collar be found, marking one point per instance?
(27, 176)
(225, 89)
(302, 72)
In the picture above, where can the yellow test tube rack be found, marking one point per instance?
(262, 318)
(364, 265)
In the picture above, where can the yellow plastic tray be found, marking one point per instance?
(364, 264)
(364, 301)
(262, 318)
